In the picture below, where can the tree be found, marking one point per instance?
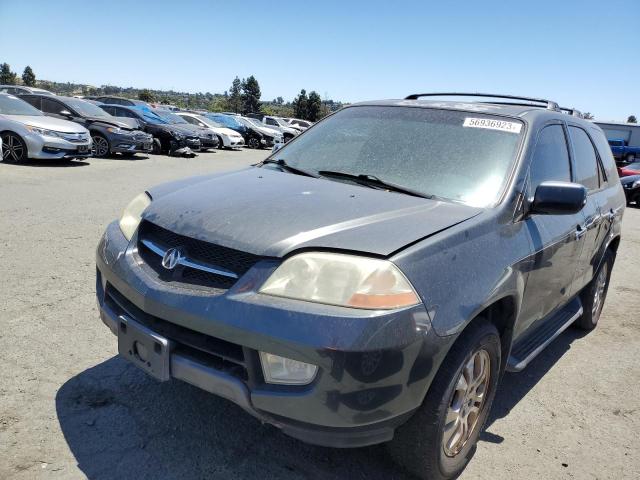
(251, 95)
(632, 119)
(146, 95)
(28, 77)
(7, 77)
(235, 95)
(279, 101)
(300, 105)
(588, 116)
(313, 106)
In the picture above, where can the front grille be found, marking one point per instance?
(214, 352)
(205, 253)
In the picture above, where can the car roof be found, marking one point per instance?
(524, 110)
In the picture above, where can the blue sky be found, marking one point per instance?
(584, 54)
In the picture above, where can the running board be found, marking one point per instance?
(534, 343)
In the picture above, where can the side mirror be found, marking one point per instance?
(66, 113)
(558, 198)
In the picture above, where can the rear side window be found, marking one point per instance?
(586, 161)
(35, 101)
(51, 106)
(550, 158)
(606, 157)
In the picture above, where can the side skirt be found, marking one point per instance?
(535, 342)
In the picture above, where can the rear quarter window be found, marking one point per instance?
(604, 150)
(586, 161)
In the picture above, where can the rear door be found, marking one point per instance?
(590, 173)
(555, 243)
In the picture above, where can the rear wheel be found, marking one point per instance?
(100, 147)
(595, 293)
(14, 150)
(438, 442)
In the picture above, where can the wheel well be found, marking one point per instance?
(613, 246)
(502, 314)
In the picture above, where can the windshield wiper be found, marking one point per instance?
(374, 182)
(289, 168)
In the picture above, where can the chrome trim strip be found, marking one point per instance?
(187, 262)
(523, 363)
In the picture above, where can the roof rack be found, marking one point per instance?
(550, 104)
(573, 112)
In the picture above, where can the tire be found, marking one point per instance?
(253, 143)
(156, 147)
(14, 150)
(630, 158)
(594, 294)
(220, 143)
(637, 200)
(422, 445)
(100, 147)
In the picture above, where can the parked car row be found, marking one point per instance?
(38, 124)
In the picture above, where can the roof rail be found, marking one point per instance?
(573, 112)
(550, 104)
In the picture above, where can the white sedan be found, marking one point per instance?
(228, 138)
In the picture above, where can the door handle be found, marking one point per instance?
(580, 231)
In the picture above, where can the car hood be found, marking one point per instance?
(269, 131)
(185, 129)
(112, 121)
(48, 123)
(630, 179)
(272, 213)
(225, 131)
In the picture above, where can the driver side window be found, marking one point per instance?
(550, 159)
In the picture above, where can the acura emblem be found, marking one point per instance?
(172, 257)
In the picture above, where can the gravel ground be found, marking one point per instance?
(70, 408)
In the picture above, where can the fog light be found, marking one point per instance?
(286, 371)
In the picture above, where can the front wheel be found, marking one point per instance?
(253, 143)
(595, 293)
(100, 147)
(220, 143)
(156, 147)
(438, 442)
(14, 150)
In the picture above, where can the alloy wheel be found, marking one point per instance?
(598, 292)
(253, 143)
(13, 149)
(100, 147)
(467, 403)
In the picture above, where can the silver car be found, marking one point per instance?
(27, 133)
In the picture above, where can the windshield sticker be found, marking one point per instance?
(502, 125)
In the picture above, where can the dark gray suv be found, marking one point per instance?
(372, 280)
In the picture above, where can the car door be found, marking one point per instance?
(588, 172)
(555, 245)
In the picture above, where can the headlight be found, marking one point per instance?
(340, 279)
(43, 131)
(133, 214)
(636, 184)
(120, 131)
(283, 370)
